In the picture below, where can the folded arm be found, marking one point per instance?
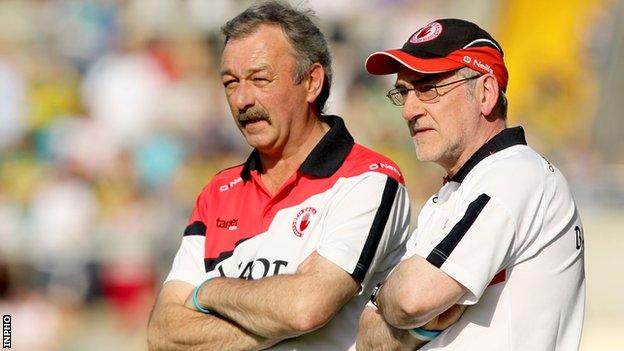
(282, 306)
(376, 334)
(174, 326)
(416, 292)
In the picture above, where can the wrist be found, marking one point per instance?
(375, 294)
(424, 334)
(198, 306)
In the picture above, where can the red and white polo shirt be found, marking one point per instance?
(506, 227)
(345, 201)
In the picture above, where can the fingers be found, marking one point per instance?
(446, 319)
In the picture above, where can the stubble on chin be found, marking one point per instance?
(427, 149)
(422, 155)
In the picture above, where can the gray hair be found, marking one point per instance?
(501, 104)
(304, 36)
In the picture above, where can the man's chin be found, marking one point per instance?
(260, 141)
(424, 154)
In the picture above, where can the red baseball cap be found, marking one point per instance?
(441, 46)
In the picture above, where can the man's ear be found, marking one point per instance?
(314, 81)
(488, 94)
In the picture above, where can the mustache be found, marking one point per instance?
(411, 124)
(252, 115)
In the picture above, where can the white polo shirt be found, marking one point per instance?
(346, 202)
(506, 227)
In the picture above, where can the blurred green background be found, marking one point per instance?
(112, 118)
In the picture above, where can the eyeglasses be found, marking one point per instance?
(424, 92)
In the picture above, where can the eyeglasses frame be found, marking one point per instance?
(435, 87)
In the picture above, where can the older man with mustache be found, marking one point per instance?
(281, 251)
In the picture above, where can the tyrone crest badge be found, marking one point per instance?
(302, 220)
(427, 33)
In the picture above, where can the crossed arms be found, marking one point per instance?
(257, 314)
(415, 294)
(254, 314)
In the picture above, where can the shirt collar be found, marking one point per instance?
(506, 138)
(324, 160)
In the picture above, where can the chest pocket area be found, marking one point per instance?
(438, 224)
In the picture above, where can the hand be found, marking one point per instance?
(446, 318)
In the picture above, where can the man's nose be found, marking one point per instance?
(243, 97)
(413, 108)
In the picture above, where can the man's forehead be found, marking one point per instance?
(257, 50)
(264, 37)
(406, 75)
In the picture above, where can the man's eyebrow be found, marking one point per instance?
(427, 79)
(248, 71)
(399, 85)
(433, 78)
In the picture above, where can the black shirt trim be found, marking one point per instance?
(253, 163)
(195, 228)
(324, 160)
(506, 138)
(443, 250)
(376, 231)
(212, 262)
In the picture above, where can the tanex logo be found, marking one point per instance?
(231, 224)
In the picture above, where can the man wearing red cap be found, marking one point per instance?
(502, 238)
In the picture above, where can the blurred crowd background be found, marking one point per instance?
(112, 119)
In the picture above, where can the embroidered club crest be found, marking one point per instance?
(427, 33)
(302, 220)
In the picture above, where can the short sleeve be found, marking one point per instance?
(366, 227)
(188, 264)
(411, 245)
(478, 245)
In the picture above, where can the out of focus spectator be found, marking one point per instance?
(12, 108)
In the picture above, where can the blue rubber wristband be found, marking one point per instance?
(199, 307)
(424, 335)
